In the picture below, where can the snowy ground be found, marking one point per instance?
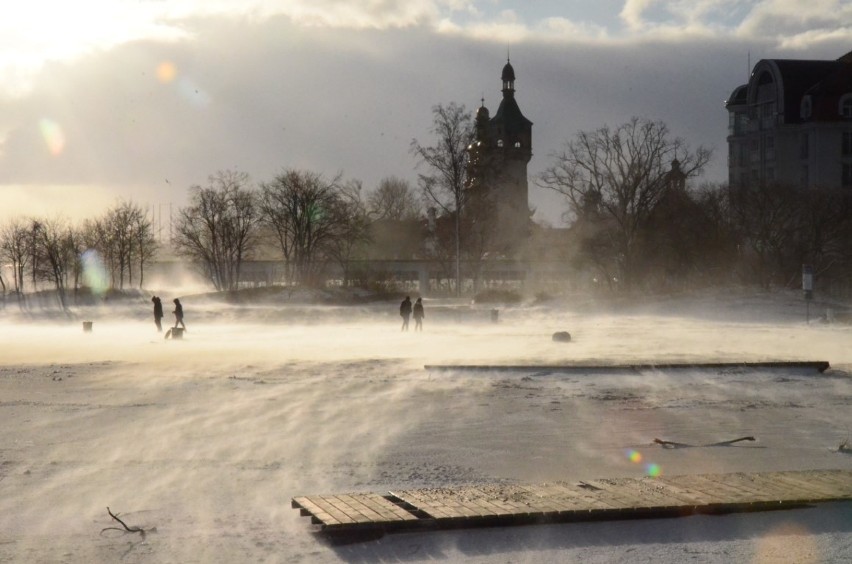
(208, 439)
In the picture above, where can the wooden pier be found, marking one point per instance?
(817, 365)
(485, 505)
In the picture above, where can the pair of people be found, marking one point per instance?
(158, 313)
(406, 310)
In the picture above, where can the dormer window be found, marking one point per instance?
(806, 108)
(846, 106)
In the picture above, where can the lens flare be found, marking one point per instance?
(53, 136)
(653, 470)
(166, 72)
(94, 273)
(634, 456)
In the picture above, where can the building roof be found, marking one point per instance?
(510, 117)
(799, 77)
(738, 97)
(508, 72)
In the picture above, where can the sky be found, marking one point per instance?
(110, 100)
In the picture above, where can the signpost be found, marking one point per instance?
(808, 287)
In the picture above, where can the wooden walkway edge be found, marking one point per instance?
(364, 515)
(818, 365)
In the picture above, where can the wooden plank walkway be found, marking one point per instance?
(603, 499)
(818, 365)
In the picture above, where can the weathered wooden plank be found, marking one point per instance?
(727, 492)
(474, 500)
(817, 488)
(843, 482)
(620, 494)
(580, 498)
(541, 499)
(372, 504)
(763, 488)
(609, 498)
(489, 504)
(388, 507)
(781, 489)
(368, 513)
(316, 510)
(818, 365)
(650, 487)
(689, 497)
(340, 510)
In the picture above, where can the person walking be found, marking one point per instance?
(405, 312)
(178, 314)
(418, 315)
(158, 313)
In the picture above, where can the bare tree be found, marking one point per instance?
(15, 248)
(218, 230)
(624, 172)
(299, 208)
(123, 239)
(783, 227)
(55, 248)
(446, 161)
(394, 199)
(350, 227)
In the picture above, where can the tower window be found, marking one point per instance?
(806, 109)
(846, 106)
(846, 147)
(499, 142)
(517, 144)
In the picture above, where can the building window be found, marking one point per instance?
(804, 150)
(846, 148)
(846, 181)
(806, 108)
(770, 148)
(846, 105)
(517, 144)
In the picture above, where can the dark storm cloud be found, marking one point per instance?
(263, 96)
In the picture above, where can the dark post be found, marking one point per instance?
(808, 287)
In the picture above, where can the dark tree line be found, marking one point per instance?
(308, 219)
(110, 251)
(638, 223)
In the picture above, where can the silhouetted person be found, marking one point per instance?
(158, 313)
(418, 315)
(405, 312)
(178, 314)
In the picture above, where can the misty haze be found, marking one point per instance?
(253, 253)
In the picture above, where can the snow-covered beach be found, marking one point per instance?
(207, 439)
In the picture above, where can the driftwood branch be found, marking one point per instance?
(671, 444)
(142, 532)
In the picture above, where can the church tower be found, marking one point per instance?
(498, 171)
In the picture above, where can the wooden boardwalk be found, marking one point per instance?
(818, 365)
(590, 500)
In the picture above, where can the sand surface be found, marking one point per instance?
(207, 439)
